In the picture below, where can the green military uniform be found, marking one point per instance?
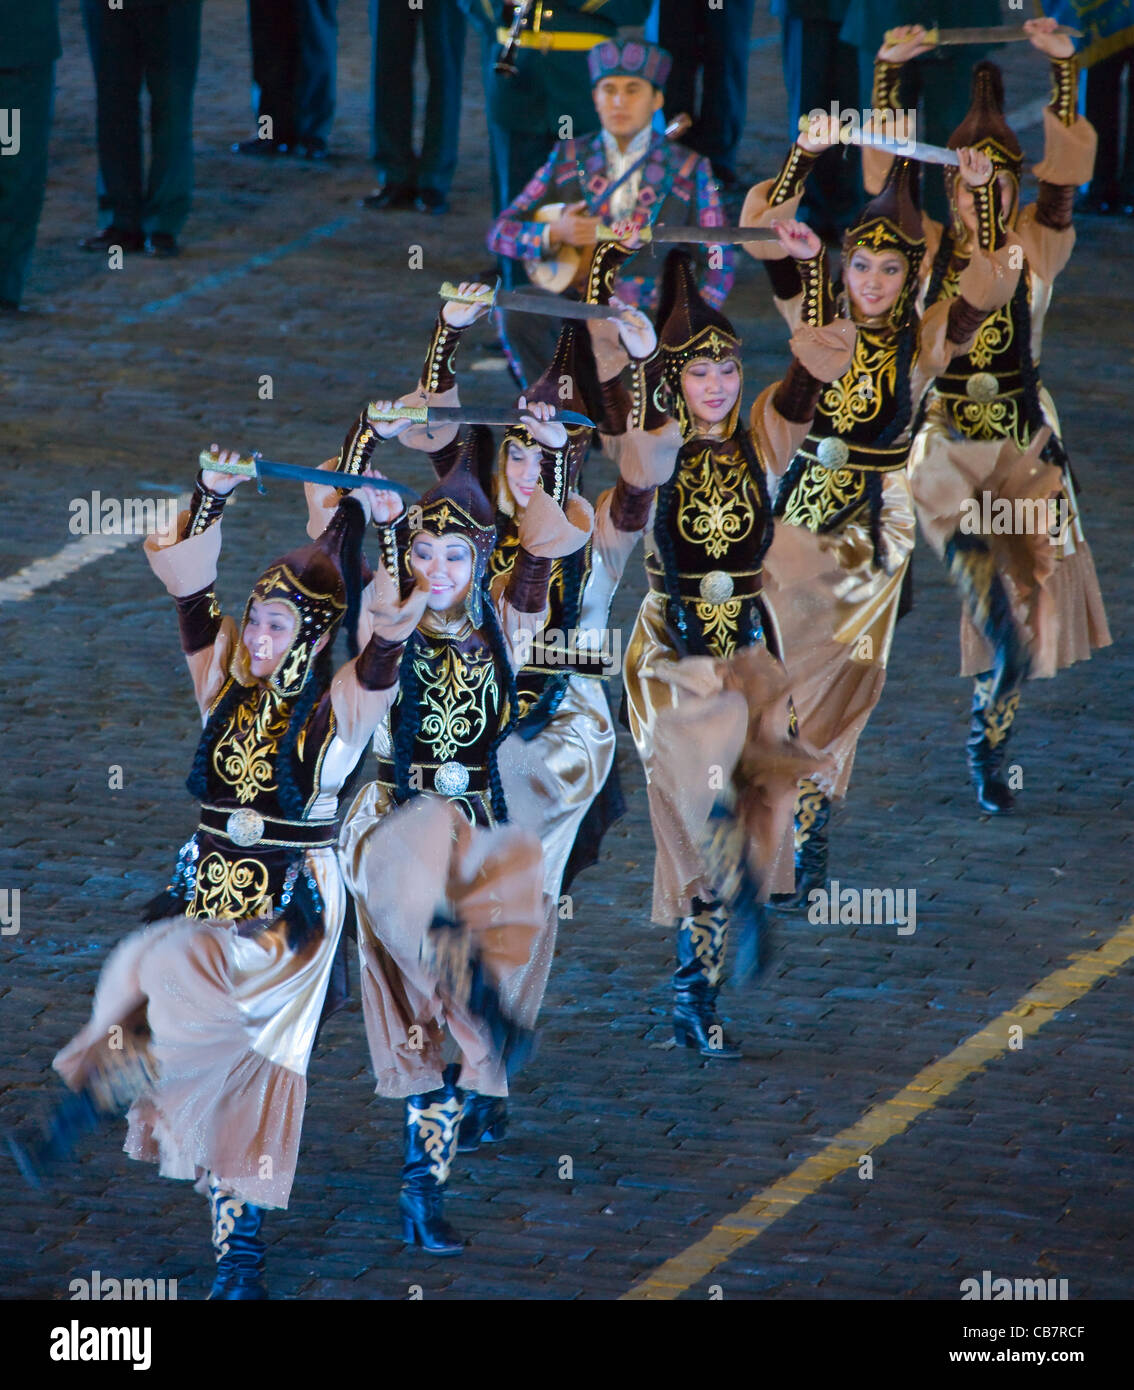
(526, 111)
(29, 46)
(937, 83)
(156, 44)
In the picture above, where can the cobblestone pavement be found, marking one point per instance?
(1023, 1169)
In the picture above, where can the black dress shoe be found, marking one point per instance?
(163, 245)
(432, 201)
(390, 195)
(113, 236)
(313, 150)
(260, 149)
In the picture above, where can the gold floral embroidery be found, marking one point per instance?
(875, 360)
(715, 506)
(244, 758)
(719, 623)
(994, 337)
(458, 697)
(996, 419)
(822, 493)
(232, 888)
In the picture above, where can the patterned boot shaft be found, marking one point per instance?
(238, 1247)
(432, 1123)
(812, 814)
(701, 946)
(989, 727)
(702, 943)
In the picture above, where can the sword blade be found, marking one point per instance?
(997, 33)
(252, 466)
(429, 415)
(706, 236)
(905, 149)
(551, 307)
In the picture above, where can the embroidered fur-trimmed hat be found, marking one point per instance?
(629, 58)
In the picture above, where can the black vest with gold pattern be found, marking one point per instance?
(711, 531)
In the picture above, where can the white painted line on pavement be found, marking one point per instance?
(24, 583)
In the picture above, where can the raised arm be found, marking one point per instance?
(186, 563)
(821, 346)
(1070, 142)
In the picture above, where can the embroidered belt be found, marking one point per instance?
(548, 41)
(449, 779)
(716, 587)
(978, 386)
(245, 828)
(834, 452)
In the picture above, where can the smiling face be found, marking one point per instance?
(711, 389)
(625, 105)
(874, 280)
(446, 564)
(521, 470)
(267, 635)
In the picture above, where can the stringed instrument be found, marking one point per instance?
(570, 265)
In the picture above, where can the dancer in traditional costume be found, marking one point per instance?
(707, 700)
(845, 516)
(204, 1022)
(989, 444)
(449, 897)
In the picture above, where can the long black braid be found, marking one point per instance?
(293, 801)
(224, 706)
(573, 570)
(500, 655)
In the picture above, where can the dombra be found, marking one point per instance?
(571, 265)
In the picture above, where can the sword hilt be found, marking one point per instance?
(450, 291)
(419, 414)
(245, 466)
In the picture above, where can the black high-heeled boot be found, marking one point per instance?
(431, 1126)
(701, 939)
(989, 727)
(485, 1122)
(238, 1246)
(812, 815)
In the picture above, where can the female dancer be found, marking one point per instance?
(456, 702)
(707, 702)
(989, 440)
(205, 1021)
(836, 571)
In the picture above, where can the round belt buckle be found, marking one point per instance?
(451, 779)
(982, 386)
(832, 452)
(716, 586)
(245, 827)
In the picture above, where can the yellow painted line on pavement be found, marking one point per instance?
(1035, 1008)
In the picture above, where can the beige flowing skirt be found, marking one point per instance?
(696, 722)
(232, 1021)
(404, 865)
(836, 615)
(549, 784)
(1051, 580)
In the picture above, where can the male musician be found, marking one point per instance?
(626, 172)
